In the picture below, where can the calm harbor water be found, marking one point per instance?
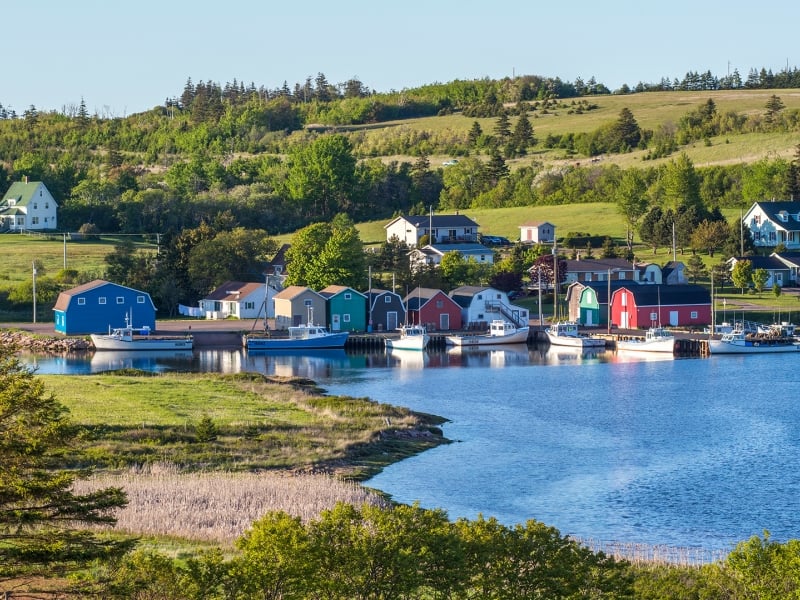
(686, 452)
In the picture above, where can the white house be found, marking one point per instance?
(537, 232)
(28, 205)
(240, 300)
(441, 229)
(481, 305)
(772, 223)
(432, 255)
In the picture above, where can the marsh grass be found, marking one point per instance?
(260, 423)
(219, 507)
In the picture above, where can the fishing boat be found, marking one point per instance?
(500, 332)
(656, 339)
(741, 342)
(139, 338)
(565, 333)
(412, 337)
(300, 337)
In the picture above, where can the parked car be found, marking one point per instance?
(450, 163)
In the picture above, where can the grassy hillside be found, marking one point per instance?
(651, 110)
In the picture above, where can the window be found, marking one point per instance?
(440, 304)
(120, 300)
(139, 299)
(307, 302)
(693, 314)
(35, 220)
(249, 305)
(81, 301)
(387, 299)
(46, 205)
(653, 316)
(348, 296)
(101, 300)
(346, 318)
(35, 206)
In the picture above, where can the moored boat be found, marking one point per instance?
(656, 339)
(300, 337)
(566, 333)
(132, 338)
(739, 342)
(500, 332)
(412, 337)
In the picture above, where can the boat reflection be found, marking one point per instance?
(144, 360)
(501, 355)
(296, 363)
(621, 356)
(408, 359)
(565, 354)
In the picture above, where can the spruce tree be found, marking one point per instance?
(40, 515)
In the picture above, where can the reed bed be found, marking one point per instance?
(649, 554)
(217, 506)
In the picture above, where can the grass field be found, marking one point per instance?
(258, 423)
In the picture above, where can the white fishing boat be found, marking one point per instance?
(656, 339)
(500, 332)
(566, 333)
(412, 337)
(740, 342)
(139, 338)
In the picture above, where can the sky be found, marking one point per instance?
(122, 57)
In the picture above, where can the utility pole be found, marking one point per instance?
(34, 291)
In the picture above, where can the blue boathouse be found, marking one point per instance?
(99, 305)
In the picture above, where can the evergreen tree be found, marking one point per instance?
(496, 168)
(522, 137)
(474, 134)
(695, 268)
(40, 515)
(502, 129)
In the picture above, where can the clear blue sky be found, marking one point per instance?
(126, 57)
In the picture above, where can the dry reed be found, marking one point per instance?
(649, 554)
(216, 506)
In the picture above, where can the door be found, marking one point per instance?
(391, 321)
(589, 318)
(336, 323)
(673, 318)
(444, 322)
(624, 320)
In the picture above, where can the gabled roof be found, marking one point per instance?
(421, 296)
(770, 263)
(536, 224)
(773, 209)
(600, 287)
(292, 292)
(789, 258)
(279, 260)
(435, 221)
(334, 290)
(463, 295)
(22, 192)
(466, 248)
(598, 265)
(669, 295)
(233, 291)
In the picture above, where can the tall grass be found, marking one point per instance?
(218, 507)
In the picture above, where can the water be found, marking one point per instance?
(688, 452)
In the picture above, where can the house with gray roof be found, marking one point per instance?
(28, 205)
(440, 229)
(773, 223)
(240, 300)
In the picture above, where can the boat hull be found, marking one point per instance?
(520, 336)
(334, 340)
(667, 346)
(104, 342)
(723, 347)
(409, 343)
(575, 342)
